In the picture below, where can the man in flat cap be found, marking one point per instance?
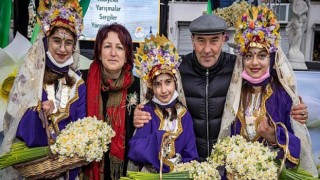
(206, 73)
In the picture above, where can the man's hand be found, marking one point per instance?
(266, 130)
(140, 117)
(300, 112)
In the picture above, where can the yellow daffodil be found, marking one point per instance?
(10, 59)
(72, 19)
(261, 34)
(55, 13)
(249, 35)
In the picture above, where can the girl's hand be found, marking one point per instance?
(48, 107)
(267, 130)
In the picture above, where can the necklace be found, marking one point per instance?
(64, 95)
(251, 114)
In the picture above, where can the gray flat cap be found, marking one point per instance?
(208, 24)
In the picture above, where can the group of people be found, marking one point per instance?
(185, 105)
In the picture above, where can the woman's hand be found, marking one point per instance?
(48, 107)
(140, 117)
(300, 112)
(267, 130)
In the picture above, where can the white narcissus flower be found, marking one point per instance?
(11, 58)
(245, 160)
(87, 138)
(197, 171)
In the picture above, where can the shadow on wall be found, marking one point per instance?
(308, 83)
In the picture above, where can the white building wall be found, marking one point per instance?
(182, 11)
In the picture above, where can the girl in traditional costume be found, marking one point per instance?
(261, 110)
(112, 95)
(48, 81)
(169, 137)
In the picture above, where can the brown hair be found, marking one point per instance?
(50, 78)
(123, 35)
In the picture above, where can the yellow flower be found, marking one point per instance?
(261, 34)
(249, 35)
(72, 19)
(241, 40)
(55, 14)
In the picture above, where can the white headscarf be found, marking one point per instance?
(27, 90)
(287, 79)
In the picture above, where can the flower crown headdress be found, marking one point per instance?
(155, 56)
(258, 27)
(60, 13)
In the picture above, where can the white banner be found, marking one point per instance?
(140, 17)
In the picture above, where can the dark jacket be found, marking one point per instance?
(205, 91)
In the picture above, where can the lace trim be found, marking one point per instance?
(241, 115)
(65, 94)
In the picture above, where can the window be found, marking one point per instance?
(316, 46)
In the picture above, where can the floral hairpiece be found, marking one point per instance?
(60, 13)
(155, 56)
(258, 27)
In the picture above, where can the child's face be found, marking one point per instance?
(163, 87)
(256, 62)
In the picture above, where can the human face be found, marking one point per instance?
(163, 87)
(207, 48)
(61, 45)
(113, 55)
(256, 62)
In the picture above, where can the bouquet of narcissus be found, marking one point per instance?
(87, 138)
(199, 171)
(245, 160)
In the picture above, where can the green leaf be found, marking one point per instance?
(5, 16)
(250, 14)
(313, 123)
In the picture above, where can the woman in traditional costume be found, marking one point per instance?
(169, 137)
(261, 110)
(112, 94)
(49, 82)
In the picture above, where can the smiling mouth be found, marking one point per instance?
(61, 55)
(164, 97)
(255, 70)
